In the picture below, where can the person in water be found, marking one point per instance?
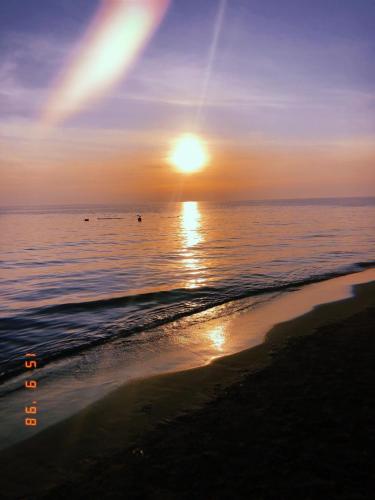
(139, 218)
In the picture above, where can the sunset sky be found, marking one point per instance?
(282, 94)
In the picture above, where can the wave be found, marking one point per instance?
(161, 297)
(218, 295)
(103, 320)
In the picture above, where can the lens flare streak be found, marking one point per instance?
(112, 43)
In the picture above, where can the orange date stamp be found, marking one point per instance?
(31, 419)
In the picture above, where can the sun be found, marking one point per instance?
(188, 154)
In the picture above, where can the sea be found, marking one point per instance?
(98, 297)
(69, 284)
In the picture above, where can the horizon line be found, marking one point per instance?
(116, 203)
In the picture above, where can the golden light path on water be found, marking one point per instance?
(191, 224)
(191, 235)
(113, 41)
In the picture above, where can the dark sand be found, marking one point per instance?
(292, 418)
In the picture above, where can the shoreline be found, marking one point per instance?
(301, 427)
(185, 344)
(68, 450)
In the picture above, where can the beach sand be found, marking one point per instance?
(291, 418)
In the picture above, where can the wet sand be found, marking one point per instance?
(292, 416)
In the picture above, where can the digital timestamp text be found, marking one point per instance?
(31, 411)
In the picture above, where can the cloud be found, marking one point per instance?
(27, 65)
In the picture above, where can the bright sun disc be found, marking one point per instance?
(188, 154)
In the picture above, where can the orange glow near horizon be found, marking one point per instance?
(113, 41)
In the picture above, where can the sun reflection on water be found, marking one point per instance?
(217, 337)
(191, 235)
(191, 223)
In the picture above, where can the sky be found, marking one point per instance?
(281, 93)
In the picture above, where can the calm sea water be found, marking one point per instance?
(68, 284)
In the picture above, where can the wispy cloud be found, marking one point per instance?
(27, 64)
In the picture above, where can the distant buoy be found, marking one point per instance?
(139, 217)
(86, 220)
